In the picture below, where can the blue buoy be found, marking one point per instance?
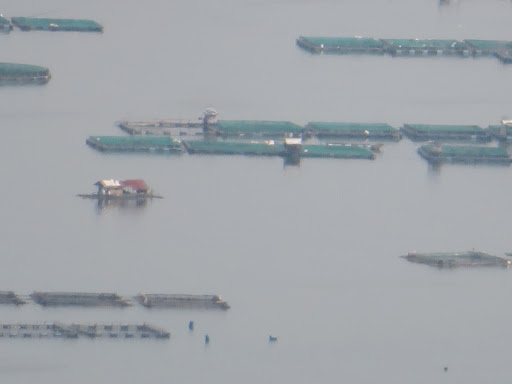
(191, 325)
(272, 339)
(206, 339)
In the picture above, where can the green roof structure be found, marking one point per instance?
(5, 24)
(135, 143)
(257, 128)
(43, 24)
(464, 153)
(445, 132)
(360, 130)
(336, 152)
(488, 46)
(233, 148)
(457, 259)
(12, 73)
(341, 44)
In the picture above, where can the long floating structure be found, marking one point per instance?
(57, 299)
(76, 330)
(22, 74)
(457, 259)
(9, 297)
(425, 132)
(45, 24)
(437, 153)
(135, 144)
(5, 24)
(181, 301)
(378, 131)
(407, 47)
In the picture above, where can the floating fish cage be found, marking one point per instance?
(43, 24)
(487, 47)
(5, 24)
(9, 297)
(457, 259)
(425, 132)
(258, 128)
(55, 299)
(22, 74)
(135, 144)
(416, 47)
(181, 301)
(502, 132)
(346, 151)
(234, 148)
(76, 330)
(161, 127)
(436, 153)
(379, 131)
(341, 45)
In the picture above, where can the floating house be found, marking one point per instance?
(135, 144)
(55, 299)
(437, 153)
(341, 45)
(416, 47)
(5, 24)
(457, 259)
(255, 128)
(43, 24)
(380, 131)
(181, 301)
(426, 132)
(22, 74)
(121, 189)
(9, 297)
(76, 330)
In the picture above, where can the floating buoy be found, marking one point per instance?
(191, 325)
(206, 339)
(272, 339)
(445, 369)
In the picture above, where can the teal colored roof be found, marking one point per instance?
(495, 129)
(467, 151)
(3, 20)
(490, 44)
(234, 148)
(56, 24)
(258, 126)
(425, 44)
(114, 142)
(12, 69)
(317, 126)
(456, 257)
(336, 151)
(348, 42)
(428, 128)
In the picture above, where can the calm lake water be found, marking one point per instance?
(309, 254)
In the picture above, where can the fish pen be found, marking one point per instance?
(426, 132)
(341, 45)
(9, 297)
(488, 47)
(502, 132)
(44, 24)
(161, 127)
(505, 56)
(335, 151)
(259, 128)
(5, 24)
(380, 131)
(22, 74)
(181, 301)
(435, 153)
(56, 299)
(428, 47)
(135, 144)
(77, 330)
(457, 259)
(234, 148)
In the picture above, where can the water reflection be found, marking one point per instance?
(128, 205)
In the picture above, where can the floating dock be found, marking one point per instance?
(181, 301)
(457, 259)
(426, 132)
(5, 24)
(436, 153)
(428, 47)
(168, 127)
(57, 299)
(76, 330)
(380, 131)
(9, 297)
(22, 74)
(341, 45)
(259, 128)
(336, 151)
(135, 144)
(43, 24)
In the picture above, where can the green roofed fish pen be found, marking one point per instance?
(5, 24)
(341, 44)
(257, 128)
(411, 47)
(457, 259)
(352, 130)
(423, 132)
(488, 47)
(21, 74)
(437, 153)
(43, 24)
(135, 144)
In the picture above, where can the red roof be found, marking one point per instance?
(136, 185)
